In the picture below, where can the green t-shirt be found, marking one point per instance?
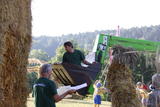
(44, 90)
(73, 58)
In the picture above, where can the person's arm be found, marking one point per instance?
(54, 93)
(94, 85)
(83, 59)
(96, 82)
(86, 62)
(58, 98)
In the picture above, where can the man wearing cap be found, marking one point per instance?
(45, 91)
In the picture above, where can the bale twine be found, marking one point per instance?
(15, 34)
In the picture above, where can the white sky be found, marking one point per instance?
(57, 17)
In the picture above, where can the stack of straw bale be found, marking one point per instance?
(119, 77)
(15, 41)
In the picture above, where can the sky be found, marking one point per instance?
(58, 17)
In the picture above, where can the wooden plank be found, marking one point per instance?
(68, 78)
(61, 73)
(58, 77)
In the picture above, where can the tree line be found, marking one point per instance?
(86, 40)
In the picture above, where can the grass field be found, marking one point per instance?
(72, 103)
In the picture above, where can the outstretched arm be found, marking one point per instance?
(94, 85)
(58, 98)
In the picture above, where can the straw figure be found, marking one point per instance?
(123, 91)
(15, 42)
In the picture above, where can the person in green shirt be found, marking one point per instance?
(73, 56)
(45, 90)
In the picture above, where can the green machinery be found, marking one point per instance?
(105, 42)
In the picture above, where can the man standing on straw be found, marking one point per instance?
(45, 91)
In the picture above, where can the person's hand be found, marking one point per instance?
(94, 62)
(71, 91)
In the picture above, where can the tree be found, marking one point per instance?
(39, 54)
(59, 55)
(15, 43)
(144, 68)
(86, 40)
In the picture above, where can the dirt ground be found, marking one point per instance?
(72, 103)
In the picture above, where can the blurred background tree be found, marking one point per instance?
(39, 54)
(145, 68)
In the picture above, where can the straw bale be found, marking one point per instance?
(15, 41)
(119, 77)
(125, 55)
(123, 91)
